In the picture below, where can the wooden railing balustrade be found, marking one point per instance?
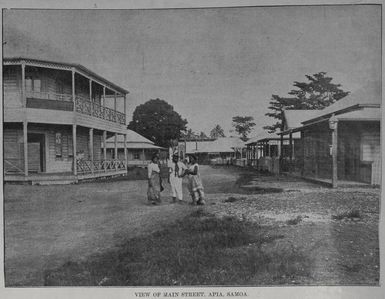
(83, 105)
(87, 166)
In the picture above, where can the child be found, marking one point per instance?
(195, 182)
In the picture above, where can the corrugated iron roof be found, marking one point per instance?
(370, 95)
(220, 145)
(134, 141)
(294, 118)
(365, 114)
(69, 65)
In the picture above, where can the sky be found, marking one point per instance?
(210, 64)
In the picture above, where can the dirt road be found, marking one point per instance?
(46, 226)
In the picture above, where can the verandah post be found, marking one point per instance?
(125, 150)
(25, 123)
(116, 149)
(25, 140)
(73, 88)
(91, 132)
(74, 149)
(333, 126)
(291, 151)
(116, 117)
(91, 103)
(104, 149)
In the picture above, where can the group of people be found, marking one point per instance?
(177, 170)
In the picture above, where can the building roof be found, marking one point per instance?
(220, 145)
(263, 136)
(369, 96)
(65, 65)
(134, 141)
(294, 118)
(365, 114)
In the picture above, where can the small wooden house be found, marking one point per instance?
(291, 144)
(264, 151)
(223, 150)
(139, 149)
(341, 143)
(55, 118)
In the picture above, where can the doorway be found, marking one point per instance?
(36, 152)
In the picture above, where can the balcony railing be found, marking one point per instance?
(87, 166)
(85, 106)
(82, 105)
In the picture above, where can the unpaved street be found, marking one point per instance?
(46, 226)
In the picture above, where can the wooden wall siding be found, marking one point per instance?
(376, 172)
(13, 150)
(371, 152)
(50, 116)
(317, 158)
(34, 157)
(370, 145)
(63, 163)
(97, 146)
(52, 81)
(50, 104)
(82, 143)
(11, 87)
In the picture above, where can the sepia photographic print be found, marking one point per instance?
(192, 151)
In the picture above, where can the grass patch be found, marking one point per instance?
(200, 249)
(294, 221)
(355, 213)
(234, 199)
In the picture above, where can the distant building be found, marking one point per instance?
(139, 149)
(264, 150)
(220, 151)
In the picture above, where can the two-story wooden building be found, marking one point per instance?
(56, 116)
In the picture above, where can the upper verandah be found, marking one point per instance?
(66, 66)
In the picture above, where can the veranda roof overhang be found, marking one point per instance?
(64, 66)
(366, 113)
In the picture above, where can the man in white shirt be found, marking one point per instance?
(176, 170)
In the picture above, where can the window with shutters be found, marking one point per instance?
(136, 155)
(58, 145)
(70, 146)
(28, 83)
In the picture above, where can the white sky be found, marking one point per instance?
(210, 64)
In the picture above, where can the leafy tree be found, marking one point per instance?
(157, 121)
(217, 132)
(243, 125)
(189, 135)
(202, 136)
(318, 93)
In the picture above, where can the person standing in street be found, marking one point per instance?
(176, 172)
(154, 181)
(195, 182)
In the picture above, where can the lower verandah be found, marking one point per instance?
(50, 152)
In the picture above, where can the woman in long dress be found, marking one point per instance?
(154, 181)
(195, 182)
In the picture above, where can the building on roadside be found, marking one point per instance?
(139, 149)
(56, 116)
(264, 151)
(224, 150)
(341, 143)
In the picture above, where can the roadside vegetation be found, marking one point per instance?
(199, 249)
